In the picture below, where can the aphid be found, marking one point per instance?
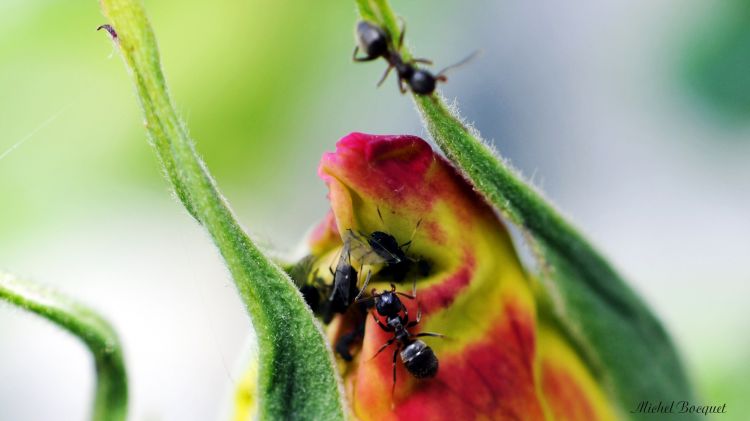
(380, 247)
(345, 342)
(326, 301)
(325, 298)
(345, 279)
(418, 358)
(311, 294)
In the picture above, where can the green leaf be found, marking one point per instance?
(111, 399)
(297, 375)
(624, 343)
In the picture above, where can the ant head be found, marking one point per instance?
(387, 304)
(372, 39)
(423, 82)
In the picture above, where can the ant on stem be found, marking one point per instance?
(375, 42)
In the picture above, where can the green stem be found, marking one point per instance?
(111, 399)
(616, 332)
(297, 376)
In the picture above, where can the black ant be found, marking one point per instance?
(327, 299)
(418, 358)
(375, 42)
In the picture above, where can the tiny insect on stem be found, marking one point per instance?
(112, 33)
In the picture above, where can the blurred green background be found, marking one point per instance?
(632, 116)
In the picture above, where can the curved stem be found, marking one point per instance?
(297, 376)
(111, 398)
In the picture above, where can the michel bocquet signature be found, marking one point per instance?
(677, 407)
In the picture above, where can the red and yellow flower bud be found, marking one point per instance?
(499, 360)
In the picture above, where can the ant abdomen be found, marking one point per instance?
(420, 360)
(422, 82)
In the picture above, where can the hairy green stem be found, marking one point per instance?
(618, 335)
(111, 398)
(297, 376)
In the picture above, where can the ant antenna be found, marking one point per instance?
(373, 295)
(407, 244)
(380, 215)
(465, 60)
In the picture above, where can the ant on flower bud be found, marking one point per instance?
(418, 358)
(337, 296)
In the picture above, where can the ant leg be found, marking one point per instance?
(411, 297)
(401, 86)
(385, 75)
(413, 291)
(436, 335)
(382, 326)
(361, 59)
(403, 32)
(415, 322)
(385, 345)
(364, 286)
(422, 60)
(403, 294)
